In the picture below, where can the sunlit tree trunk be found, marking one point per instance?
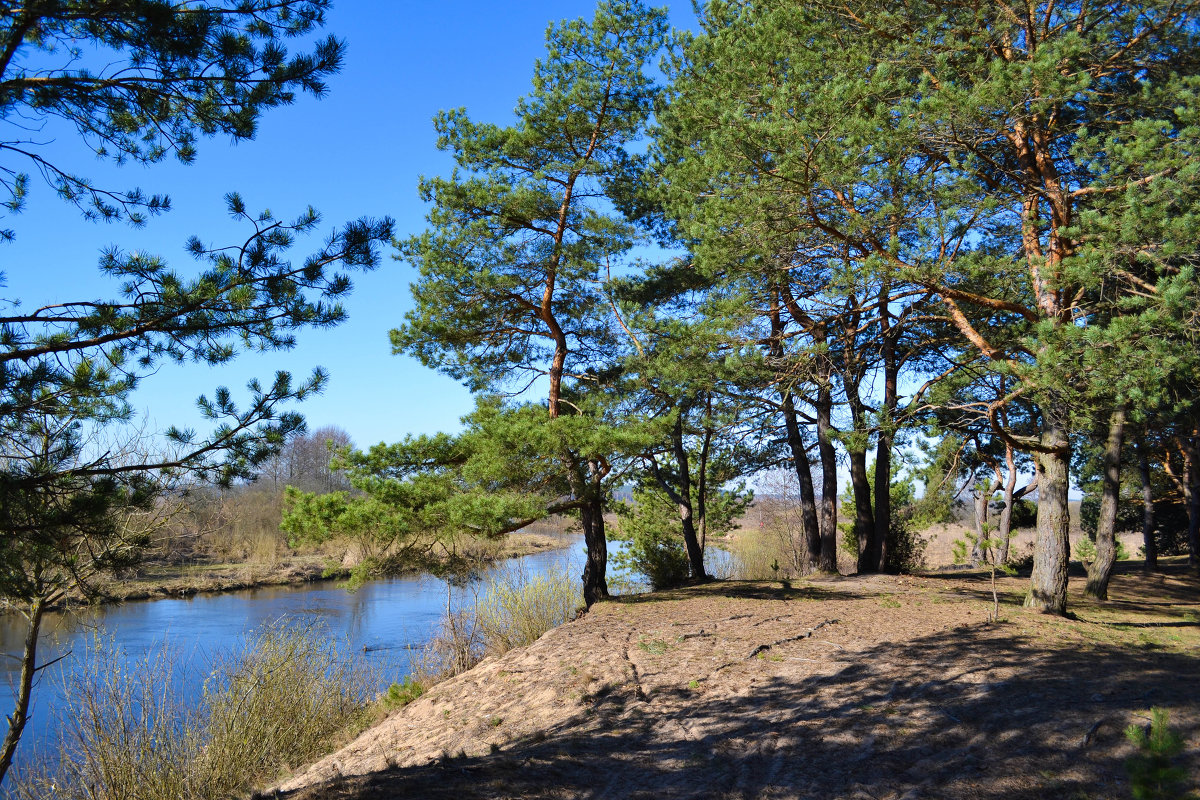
(29, 668)
(1100, 570)
(828, 456)
(1048, 583)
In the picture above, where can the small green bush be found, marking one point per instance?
(1085, 550)
(1151, 773)
(401, 694)
(1024, 514)
(906, 548)
(650, 525)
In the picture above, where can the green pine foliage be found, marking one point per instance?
(135, 81)
(906, 547)
(138, 80)
(1152, 773)
(1036, 176)
(650, 526)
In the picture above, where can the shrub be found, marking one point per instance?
(455, 648)
(1085, 550)
(516, 610)
(401, 694)
(282, 700)
(906, 548)
(764, 555)
(1024, 514)
(1151, 773)
(650, 525)
(126, 735)
(277, 703)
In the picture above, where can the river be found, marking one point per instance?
(387, 620)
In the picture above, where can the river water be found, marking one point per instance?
(388, 620)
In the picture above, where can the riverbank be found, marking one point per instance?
(160, 581)
(860, 687)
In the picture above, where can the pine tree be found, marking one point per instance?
(1020, 164)
(137, 80)
(520, 242)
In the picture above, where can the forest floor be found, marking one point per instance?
(153, 581)
(875, 687)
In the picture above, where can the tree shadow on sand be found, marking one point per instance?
(970, 712)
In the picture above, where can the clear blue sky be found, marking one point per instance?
(359, 151)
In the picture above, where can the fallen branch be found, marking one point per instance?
(762, 648)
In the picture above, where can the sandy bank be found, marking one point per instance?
(874, 687)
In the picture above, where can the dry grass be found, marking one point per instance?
(774, 552)
(517, 609)
(514, 610)
(287, 697)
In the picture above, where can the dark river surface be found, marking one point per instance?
(388, 620)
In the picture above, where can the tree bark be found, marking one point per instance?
(681, 496)
(824, 405)
(1191, 452)
(808, 495)
(883, 502)
(864, 520)
(683, 500)
(1149, 540)
(860, 484)
(29, 668)
(595, 585)
(1051, 551)
(982, 496)
(883, 449)
(1100, 571)
(702, 478)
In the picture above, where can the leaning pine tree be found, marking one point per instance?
(518, 242)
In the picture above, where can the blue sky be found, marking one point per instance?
(358, 151)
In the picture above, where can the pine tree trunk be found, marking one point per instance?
(1191, 452)
(1051, 551)
(828, 562)
(684, 501)
(883, 450)
(883, 501)
(1010, 488)
(702, 478)
(1100, 571)
(1149, 540)
(20, 715)
(808, 495)
(595, 584)
(864, 521)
